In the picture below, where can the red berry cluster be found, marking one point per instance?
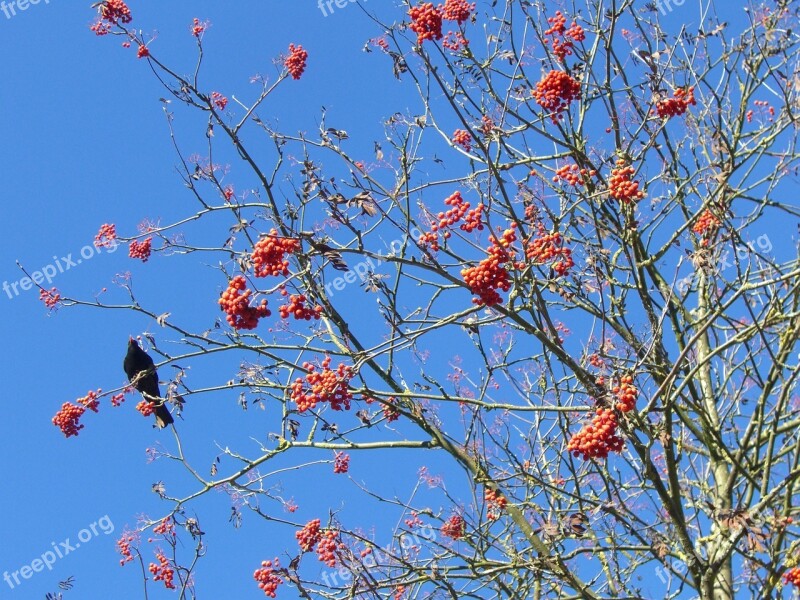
(198, 27)
(295, 63)
(399, 592)
(68, 417)
(228, 193)
(490, 275)
(143, 51)
(426, 22)
(219, 100)
(473, 219)
(328, 545)
(166, 527)
(461, 137)
(141, 250)
(124, 548)
(677, 105)
(555, 91)
(460, 210)
(597, 439)
(707, 224)
(455, 41)
(114, 11)
(761, 104)
(596, 361)
(51, 298)
(145, 408)
(390, 413)
(546, 247)
(573, 175)
(626, 394)
(298, 309)
(792, 576)
(562, 39)
(163, 571)
(235, 301)
(430, 239)
(326, 385)
(620, 185)
(341, 463)
(495, 502)
(309, 535)
(267, 579)
(456, 10)
(106, 237)
(90, 400)
(270, 252)
(118, 399)
(487, 124)
(454, 528)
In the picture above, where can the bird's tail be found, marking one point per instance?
(163, 417)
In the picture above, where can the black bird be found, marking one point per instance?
(136, 361)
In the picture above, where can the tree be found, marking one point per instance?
(579, 300)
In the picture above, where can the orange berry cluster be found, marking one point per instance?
(555, 91)
(461, 137)
(298, 309)
(198, 27)
(572, 174)
(68, 417)
(341, 463)
(626, 394)
(490, 275)
(270, 252)
(495, 501)
(235, 301)
(162, 571)
(90, 400)
(51, 298)
(124, 548)
(166, 527)
(792, 576)
(309, 535)
(596, 361)
(295, 63)
(106, 237)
(677, 105)
(706, 225)
(267, 579)
(620, 185)
(487, 124)
(473, 219)
(597, 439)
(219, 100)
(426, 22)
(454, 528)
(328, 545)
(457, 10)
(141, 250)
(562, 38)
(326, 385)
(145, 408)
(547, 247)
(118, 399)
(115, 10)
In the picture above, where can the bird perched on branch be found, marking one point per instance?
(141, 372)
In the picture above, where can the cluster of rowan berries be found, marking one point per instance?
(573, 174)
(198, 27)
(341, 463)
(295, 63)
(426, 22)
(124, 548)
(546, 247)
(707, 224)
(141, 250)
(166, 527)
(598, 438)
(267, 579)
(473, 219)
(555, 91)
(620, 185)
(143, 51)
(51, 297)
(399, 592)
(487, 125)
(269, 254)
(626, 394)
(219, 100)
(114, 11)
(495, 502)
(309, 535)
(145, 408)
(328, 545)
(106, 236)
(461, 137)
(792, 576)
(457, 10)
(90, 400)
(162, 571)
(326, 385)
(118, 399)
(677, 105)
(490, 275)
(563, 39)
(68, 417)
(455, 41)
(596, 361)
(761, 104)
(390, 412)
(454, 527)
(228, 193)
(297, 308)
(235, 302)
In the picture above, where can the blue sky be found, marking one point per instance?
(86, 143)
